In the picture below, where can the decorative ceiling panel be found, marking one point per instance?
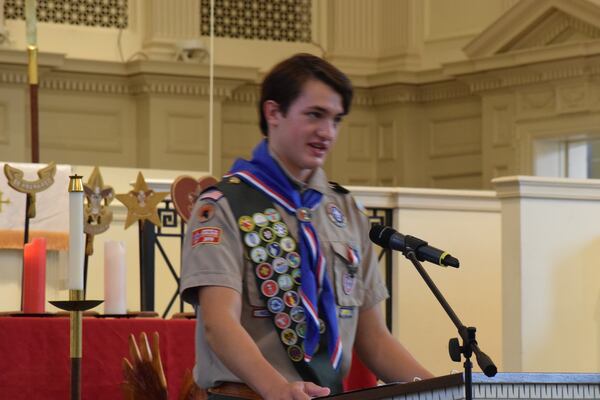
(280, 20)
(101, 13)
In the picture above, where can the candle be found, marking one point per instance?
(34, 276)
(76, 239)
(31, 22)
(115, 274)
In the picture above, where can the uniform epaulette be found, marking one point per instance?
(336, 187)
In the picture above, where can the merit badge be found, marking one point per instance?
(288, 244)
(206, 212)
(296, 276)
(289, 337)
(336, 215)
(348, 282)
(269, 288)
(206, 235)
(295, 353)
(267, 234)
(293, 259)
(274, 249)
(282, 320)
(275, 305)
(291, 298)
(264, 271)
(285, 282)
(246, 223)
(260, 219)
(280, 265)
(301, 329)
(258, 254)
(304, 214)
(321, 327)
(280, 229)
(297, 314)
(272, 215)
(251, 239)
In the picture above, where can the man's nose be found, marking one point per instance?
(328, 129)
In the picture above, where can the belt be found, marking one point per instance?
(235, 389)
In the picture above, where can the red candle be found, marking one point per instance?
(34, 276)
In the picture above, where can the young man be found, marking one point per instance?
(277, 260)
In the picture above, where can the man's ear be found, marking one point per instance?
(272, 112)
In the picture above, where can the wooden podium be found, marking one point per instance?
(447, 387)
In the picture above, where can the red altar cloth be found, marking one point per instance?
(34, 356)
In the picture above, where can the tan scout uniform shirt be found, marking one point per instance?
(224, 264)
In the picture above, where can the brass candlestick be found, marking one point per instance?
(76, 304)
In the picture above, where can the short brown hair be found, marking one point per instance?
(284, 82)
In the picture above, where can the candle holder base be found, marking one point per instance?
(76, 305)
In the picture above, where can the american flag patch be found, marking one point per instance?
(206, 235)
(213, 195)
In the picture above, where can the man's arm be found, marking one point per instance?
(221, 310)
(382, 353)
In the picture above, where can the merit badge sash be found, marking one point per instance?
(276, 261)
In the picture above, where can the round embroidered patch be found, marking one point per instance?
(289, 337)
(297, 314)
(288, 244)
(285, 282)
(272, 215)
(258, 254)
(336, 215)
(293, 259)
(246, 223)
(267, 234)
(269, 288)
(264, 271)
(301, 329)
(282, 320)
(280, 229)
(280, 265)
(274, 249)
(296, 276)
(260, 219)
(291, 298)
(251, 239)
(295, 353)
(275, 305)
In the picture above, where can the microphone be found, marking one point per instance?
(389, 238)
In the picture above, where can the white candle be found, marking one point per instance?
(31, 22)
(115, 277)
(76, 239)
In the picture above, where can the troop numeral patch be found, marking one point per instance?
(206, 235)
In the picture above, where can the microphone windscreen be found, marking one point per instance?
(380, 235)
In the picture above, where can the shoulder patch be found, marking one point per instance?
(336, 187)
(214, 195)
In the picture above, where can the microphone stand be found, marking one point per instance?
(467, 334)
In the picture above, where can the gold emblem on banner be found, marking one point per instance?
(97, 216)
(141, 203)
(17, 181)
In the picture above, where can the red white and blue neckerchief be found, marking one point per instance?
(266, 175)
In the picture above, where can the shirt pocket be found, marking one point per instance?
(349, 289)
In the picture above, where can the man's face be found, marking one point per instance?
(303, 136)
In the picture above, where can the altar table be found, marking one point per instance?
(35, 363)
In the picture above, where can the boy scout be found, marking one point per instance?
(277, 261)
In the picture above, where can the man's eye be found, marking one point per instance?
(314, 114)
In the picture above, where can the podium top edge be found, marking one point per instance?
(538, 377)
